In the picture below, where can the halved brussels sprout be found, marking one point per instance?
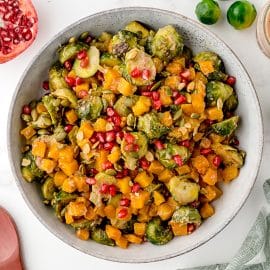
(183, 190)
(56, 77)
(139, 61)
(43, 121)
(48, 188)
(231, 103)
(186, 215)
(139, 30)
(100, 236)
(158, 234)
(66, 94)
(167, 43)
(90, 108)
(123, 41)
(86, 224)
(53, 106)
(103, 41)
(123, 105)
(217, 90)
(229, 154)
(165, 156)
(226, 127)
(59, 133)
(109, 60)
(151, 125)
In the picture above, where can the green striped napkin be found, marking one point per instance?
(257, 241)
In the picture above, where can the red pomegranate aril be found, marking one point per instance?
(235, 141)
(45, 85)
(116, 119)
(135, 188)
(110, 111)
(78, 81)
(180, 100)
(178, 160)
(159, 145)
(124, 202)
(108, 146)
(104, 188)
(82, 94)
(136, 148)
(209, 122)
(68, 65)
(190, 228)
(155, 96)
(26, 109)
(100, 76)
(122, 213)
(120, 135)
(205, 151)
(101, 137)
(112, 190)
(144, 163)
(119, 175)
(129, 147)
(93, 171)
(231, 80)
(88, 40)
(185, 143)
(100, 146)
(217, 161)
(70, 81)
(147, 93)
(94, 138)
(107, 165)
(185, 74)
(84, 62)
(146, 74)
(157, 104)
(129, 138)
(91, 181)
(68, 128)
(136, 73)
(125, 172)
(176, 94)
(110, 136)
(82, 54)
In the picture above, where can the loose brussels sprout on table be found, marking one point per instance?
(208, 11)
(130, 140)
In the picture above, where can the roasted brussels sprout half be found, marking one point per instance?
(165, 156)
(141, 32)
(123, 41)
(52, 105)
(186, 215)
(109, 60)
(100, 236)
(90, 108)
(231, 103)
(151, 125)
(123, 105)
(48, 188)
(59, 133)
(229, 154)
(183, 190)
(103, 41)
(217, 90)
(226, 127)
(156, 233)
(167, 43)
(139, 67)
(56, 77)
(85, 224)
(66, 94)
(43, 121)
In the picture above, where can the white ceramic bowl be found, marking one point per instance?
(250, 132)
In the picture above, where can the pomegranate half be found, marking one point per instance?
(18, 27)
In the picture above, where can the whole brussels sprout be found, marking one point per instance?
(100, 236)
(90, 108)
(165, 156)
(208, 11)
(186, 215)
(226, 127)
(123, 41)
(231, 103)
(56, 77)
(167, 43)
(151, 125)
(156, 233)
(217, 90)
(183, 190)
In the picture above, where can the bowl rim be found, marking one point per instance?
(103, 256)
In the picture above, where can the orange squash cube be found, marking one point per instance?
(139, 228)
(83, 234)
(122, 242)
(179, 229)
(113, 232)
(47, 165)
(59, 178)
(39, 148)
(71, 116)
(210, 177)
(123, 185)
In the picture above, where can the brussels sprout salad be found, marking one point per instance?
(133, 136)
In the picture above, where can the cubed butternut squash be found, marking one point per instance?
(69, 185)
(83, 234)
(158, 198)
(207, 210)
(109, 211)
(28, 132)
(206, 67)
(122, 242)
(71, 116)
(125, 88)
(59, 178)
(179, 229)
(144, 179)
(87, 129)
(156, 167)
(165, 175)
(230, 173)
(39, 148)
(214, 113)
(132, 238)
(113, 232)
(141, 106)
(139, 228)
(68, 167)
(210, 176)
(100, 125)
(47, 165)
(123, 185)
(102, 157)
(115, 154)
(200, 163)
(165, 211)
(139, 199)
(166, 119)
(165, 98)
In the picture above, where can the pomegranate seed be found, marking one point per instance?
(235, 141)
(129, 147)
(135, 188)
(144, 163)
(116, 119)
(107, 165)
(78, 81)
(231, 80)
(136, 148)
(88, 40)
(159, 145)
(185, 143)
(155, 95)
(178, 160)
(157, 104)
(104, 188)
(217, 161)
(68, 128)
(100, 76)
(108, 146)
(119, 175)
(26, 109)
(110, 111)
(82, 54)
(191, 228)
(94, 138)
(124, 202)
(146, 74)
(112, 190)
(129, 138)
(70, 81)
(110, 136)
(125, 172)
(180, 100)
(135, 73)
(147, 94)
(91, 180)
(195, 204)
(84, 62)
(101, 137)
(120, 135)
(45, 85)
(93, 171)
(205, 151)
(82, 94)
(176, 94)
(185, 74)
(122, 213)
(101, 146)
(209, 122)
(68, 65)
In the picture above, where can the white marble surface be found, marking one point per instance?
(40, 249)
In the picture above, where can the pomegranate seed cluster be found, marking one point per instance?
(132, 141)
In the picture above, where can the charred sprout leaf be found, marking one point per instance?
(141, 31)
(158, 234)
(151, 125)
(186, 215)
(183, 190)
(123, 105)
(149, 40)
(167, 43)
(217, 90)
(100, 236)
(231, 103)
(70, 51)
(66, 94)
(90, 108)
(43, 121)
(139, 60)
(72, 135)
(229, 154)
(123, 41)
(152, 187)
(226, 127)
(56, 78)
(187, 54)
(109, 60)
(52, 105)
(165, 156)
(86, 224)
(103, 41)
(48, 188)
(59, 133)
